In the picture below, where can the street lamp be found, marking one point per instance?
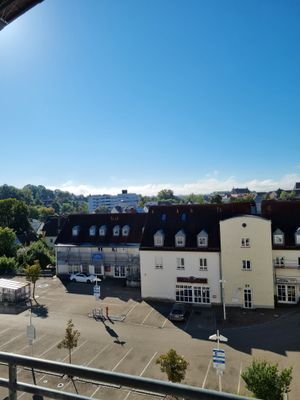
(222, 282)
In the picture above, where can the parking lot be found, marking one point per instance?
(130, 341)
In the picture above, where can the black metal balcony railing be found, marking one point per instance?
(97, 376)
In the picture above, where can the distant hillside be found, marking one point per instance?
(39, 197)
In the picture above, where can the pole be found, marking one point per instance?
(223, 298)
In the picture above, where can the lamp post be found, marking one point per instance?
(222, 282)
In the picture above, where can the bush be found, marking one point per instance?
(7, 265)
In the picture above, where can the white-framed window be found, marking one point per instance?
(286, 294)
(159, 238)
(278, 237)
(202, 239)
(279, 261)
(75, 230)
(93, 230)
(180, 262)
(102, 230)
(246, 265)
(192, 294)
(158, 262)
(203, 264)
(125, 230)
(245, 242)
(116, 230)
(180, 239)
(297, 237)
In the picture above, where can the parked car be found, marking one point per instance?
(178, 312)
(82, 277)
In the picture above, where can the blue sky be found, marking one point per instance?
(101, 95)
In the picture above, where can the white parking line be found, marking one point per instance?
(206, 375)
(141, 374)
(76, 349)
(98, 354)
(11, 340)
(116, 366)
(4, 330)
(132, 308)
(147, 316)
(122, 359)
(165, 321)
(239, 384)
(27, 345)
(144, 370)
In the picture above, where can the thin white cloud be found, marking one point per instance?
(207, 185)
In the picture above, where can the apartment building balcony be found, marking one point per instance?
(286, 264)
(93, 376)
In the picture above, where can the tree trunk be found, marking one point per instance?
(33, 291)
(70, 356)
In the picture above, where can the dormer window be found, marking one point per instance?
(278, 237)
(159, 238)
(183, 217)
(297, 237)
(180, 239)
(102, 230)
(116, 230)
(202, 239)
(125, 230)
(93, 230)
(164, 217)
(75, 230)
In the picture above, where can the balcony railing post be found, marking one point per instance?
(12, 374)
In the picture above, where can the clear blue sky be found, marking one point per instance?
(101, 95)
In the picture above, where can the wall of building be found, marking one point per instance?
(287, 275)
(161, 282)
(105, 260)
(260, 278)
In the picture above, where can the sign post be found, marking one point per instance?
(219, 357)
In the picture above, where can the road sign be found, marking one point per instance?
(31, 335)
(219, 337)
(219, 359)
(97, 291)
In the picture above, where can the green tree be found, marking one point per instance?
(194, 198)
(36, 251)
(32, 273)
(101, 210)
(70, 340)
(173, 365)
(216, 199)
(165, 194)
(266, 382)
(8, 265)
(14, 214)
(7, 242)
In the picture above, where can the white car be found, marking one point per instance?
(82, 277)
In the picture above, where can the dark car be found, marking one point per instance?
(178, 312)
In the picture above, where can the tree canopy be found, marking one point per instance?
(8, 246)
(173, 365)
(265, 380)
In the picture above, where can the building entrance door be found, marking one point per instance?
(247, 298)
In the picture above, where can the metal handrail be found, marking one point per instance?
(97, 375)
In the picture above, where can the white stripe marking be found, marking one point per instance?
(11, 340)
(122, 359)
(147, 316)
(131, 309)
(239, 384)
(142, 373)
(206, 375)
(98, 354)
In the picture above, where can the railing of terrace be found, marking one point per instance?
(97, 376)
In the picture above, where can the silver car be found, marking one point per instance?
(178, 312)
(82, 277)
